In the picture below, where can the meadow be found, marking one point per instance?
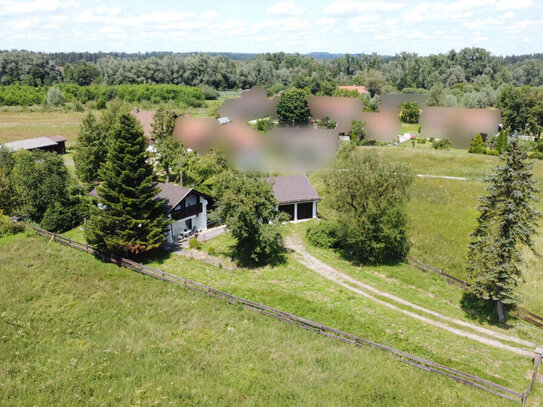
(76, 331)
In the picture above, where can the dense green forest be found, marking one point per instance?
(406, 70)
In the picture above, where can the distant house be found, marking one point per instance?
(295, 196)
(253, 104)
(146, 119)
(360, 89)
(54, 144)
(186, 207)
(458, 124)
(342, 110)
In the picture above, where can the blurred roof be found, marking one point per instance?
(146, 119)
(57, 138)
(293, 188)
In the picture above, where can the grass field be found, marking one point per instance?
(16, 124)
(75, 331)
(21, 125)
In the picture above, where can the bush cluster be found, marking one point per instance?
(323, 234)
(443, 144)
(8, 227)
(21, 95)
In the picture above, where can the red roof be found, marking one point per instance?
(359, 89)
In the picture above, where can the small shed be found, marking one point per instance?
(295, 196)
(55, 144)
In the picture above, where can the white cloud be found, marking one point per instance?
(10, 7)
(285, 8)
(514, 4)
(345, 8)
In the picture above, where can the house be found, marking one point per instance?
(53, 144)
(146, 119)
(295, 196)
(458, 124)
(342, 110)
(252, 104)
(186, 207)
(360, 89)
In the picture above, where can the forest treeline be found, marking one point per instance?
(406, 70)
(471, 78)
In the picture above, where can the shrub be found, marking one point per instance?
(536, 155)
(421, 140)
(209, 92)
(194, 243)
(264, 124)
(477, 145)
(78, 107)
(327, 123)
(55, 97)
(443, 144)
(323, 234)
(410, 112)
(489, 151)
(8, 227)
(211, 251)
(101, 103)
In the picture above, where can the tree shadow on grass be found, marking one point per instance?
(481, 310)
(276, 259)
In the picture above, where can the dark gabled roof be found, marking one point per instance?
(293, 188)
(173, 194)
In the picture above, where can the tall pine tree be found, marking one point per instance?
(91, 150)
(506, 222)
(130, 220)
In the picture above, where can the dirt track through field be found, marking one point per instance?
(346, 281)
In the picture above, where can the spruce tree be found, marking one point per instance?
(130, 220)
(505, 223)
(91, 150)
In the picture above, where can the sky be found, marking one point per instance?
(504, 27)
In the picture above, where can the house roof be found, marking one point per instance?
(30, 143)
(171, 193)
(146, 119)
(359, 89)
(293, 188)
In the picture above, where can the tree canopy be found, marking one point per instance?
(292, 108)
(128, 221)
(506, 222)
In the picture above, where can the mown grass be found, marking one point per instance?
(293, 288)
(75, 331)
(29, 124)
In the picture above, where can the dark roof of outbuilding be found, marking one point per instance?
(293, 188)
(30, 143)
(57, 138)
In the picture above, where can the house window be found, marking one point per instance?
(188, 224)
(178, 207)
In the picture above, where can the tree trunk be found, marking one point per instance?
(501, 315)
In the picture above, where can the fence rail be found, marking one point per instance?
(522, 313)
(425, 364)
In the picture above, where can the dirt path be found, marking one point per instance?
(346, 281)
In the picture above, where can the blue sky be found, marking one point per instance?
(504, 27)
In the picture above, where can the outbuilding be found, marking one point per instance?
(56, 144)
(295, 196)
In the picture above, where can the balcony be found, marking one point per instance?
(186, 212)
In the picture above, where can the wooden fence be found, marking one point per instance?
(522, 313)
(425, 364)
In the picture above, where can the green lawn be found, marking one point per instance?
(75, 331)
(442, 212)
(29, 124)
